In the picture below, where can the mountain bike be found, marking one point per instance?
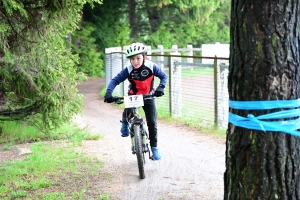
(138, 132)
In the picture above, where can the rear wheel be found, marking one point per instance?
(139, 150)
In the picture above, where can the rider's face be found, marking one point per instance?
(137, 60)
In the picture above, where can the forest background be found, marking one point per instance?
(119, 23)
(47, 47)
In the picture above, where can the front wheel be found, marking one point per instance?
(139, 150)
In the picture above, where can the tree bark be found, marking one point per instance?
(132, 18)
(153, 16)
(264, 65)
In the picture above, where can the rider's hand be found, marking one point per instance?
(159, 91)
(108, 97)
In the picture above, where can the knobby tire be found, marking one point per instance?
(139, 150)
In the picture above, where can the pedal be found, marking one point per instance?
(145, 149)
(133, 150)
(124, 135)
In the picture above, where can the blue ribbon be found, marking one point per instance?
(257, 123)
(264, 105)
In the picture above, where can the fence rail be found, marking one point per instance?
(196, 92)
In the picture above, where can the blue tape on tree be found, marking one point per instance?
(264, 105)
(257, 123)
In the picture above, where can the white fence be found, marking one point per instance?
(196, 91)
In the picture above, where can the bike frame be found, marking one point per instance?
(138, 133)
(137, 120)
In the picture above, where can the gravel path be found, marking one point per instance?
(192, 164)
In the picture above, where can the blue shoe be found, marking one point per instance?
(156, 155)
(124, 129)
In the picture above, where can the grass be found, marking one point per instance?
(54, 170)
(18, 132)
(197, 71)
(193, 124)
(47, 167)
(193, 115)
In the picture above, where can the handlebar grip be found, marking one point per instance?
(151, 95)
(118, 100)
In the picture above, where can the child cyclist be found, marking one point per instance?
(140, 74)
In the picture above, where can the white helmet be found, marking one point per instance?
(135, 48)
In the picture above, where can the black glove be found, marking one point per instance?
(108, 97)
(159, 91)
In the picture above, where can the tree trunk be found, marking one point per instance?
(2, 95)
(153, 16)
(132, 18)
(264, 65)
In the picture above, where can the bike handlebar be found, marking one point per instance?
(148, 96)
(118, 100)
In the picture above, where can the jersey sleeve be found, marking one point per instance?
(160, 74)
(119, 78)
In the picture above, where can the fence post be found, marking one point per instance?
(190, 53)
(161, 58)
(223, 95)
(174, 49)
(216, 91)
(125, 63)
(107, 66)
(175, 85)
(170, 86)
(116, 67)
(149, 52)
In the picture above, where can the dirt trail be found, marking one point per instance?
(191, 167)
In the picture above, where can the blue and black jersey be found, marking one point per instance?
(141, 80)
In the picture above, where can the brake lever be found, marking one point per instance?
(119, 101)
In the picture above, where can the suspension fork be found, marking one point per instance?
(139, 121)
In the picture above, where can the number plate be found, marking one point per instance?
(133, 101)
